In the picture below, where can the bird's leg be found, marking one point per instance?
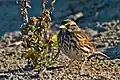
(82, 65)
(84, 62)
(57, 55)
(70, 63)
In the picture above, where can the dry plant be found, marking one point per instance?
(38, 38)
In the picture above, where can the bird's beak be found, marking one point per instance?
(62, 27)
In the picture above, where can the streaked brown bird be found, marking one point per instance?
(74, 43)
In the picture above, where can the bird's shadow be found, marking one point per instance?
(114, 52)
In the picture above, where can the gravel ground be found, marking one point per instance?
(13, 67)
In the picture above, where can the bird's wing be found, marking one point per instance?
(84, 42)
(86, 45)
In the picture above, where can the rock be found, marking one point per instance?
(114, 52)
(76, 16)
(91, 32)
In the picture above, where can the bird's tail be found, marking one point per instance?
(99, 53)
(104, 55)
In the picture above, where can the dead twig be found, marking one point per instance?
(24, 4)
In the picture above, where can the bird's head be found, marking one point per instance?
(69, 25)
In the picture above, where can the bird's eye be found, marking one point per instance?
(68, 26)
